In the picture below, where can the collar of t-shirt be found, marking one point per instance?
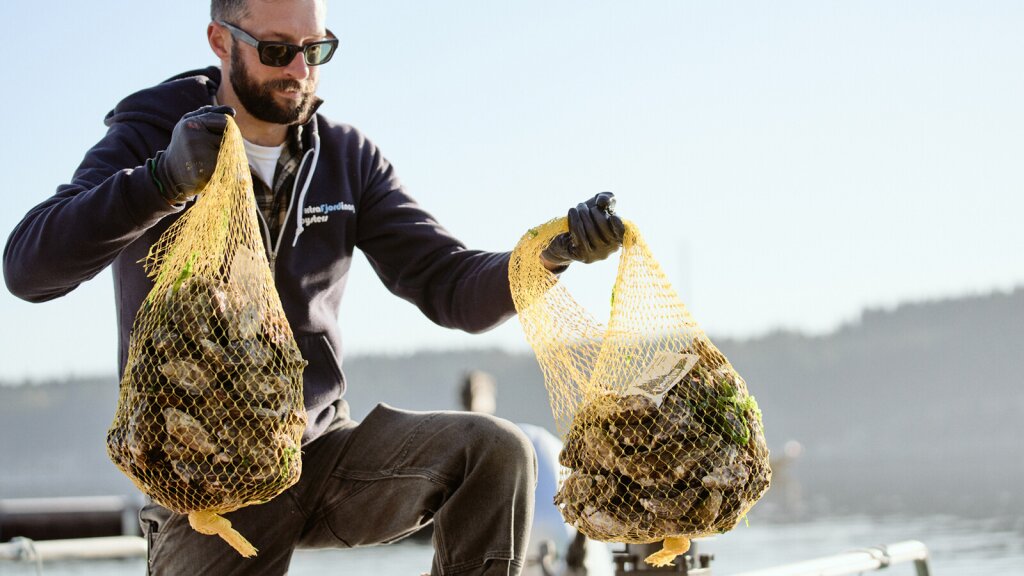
(263, 160)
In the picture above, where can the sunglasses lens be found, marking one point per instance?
(277, 54)
(318, 53)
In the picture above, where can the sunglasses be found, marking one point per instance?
(280, 54)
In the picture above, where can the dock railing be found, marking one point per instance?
(70, 517)
(855, 561)
(106, 547)
(22, 549)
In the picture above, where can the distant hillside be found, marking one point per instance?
(53, 439)
(917, 408)
(914, 409)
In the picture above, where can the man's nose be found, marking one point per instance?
(298, 68)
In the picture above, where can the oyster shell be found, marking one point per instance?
(244, 321)
(197, 307)
(262, 386)
(661, 466)
(189, 375)
(189, 432)
(609, 523)
(167, 340)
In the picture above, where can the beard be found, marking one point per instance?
(258, 99)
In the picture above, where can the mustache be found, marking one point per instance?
(286, 84)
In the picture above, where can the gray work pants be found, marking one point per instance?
(374, 483)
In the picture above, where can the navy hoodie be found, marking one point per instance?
(347, 196)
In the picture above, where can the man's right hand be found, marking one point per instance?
(187, 164)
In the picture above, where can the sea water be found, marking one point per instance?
(958, 547)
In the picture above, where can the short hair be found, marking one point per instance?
(228, 10)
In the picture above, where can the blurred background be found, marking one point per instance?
(832, 187)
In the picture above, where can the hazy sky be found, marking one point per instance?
(789, 162)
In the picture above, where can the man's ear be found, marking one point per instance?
(220, 41)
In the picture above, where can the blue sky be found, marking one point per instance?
(789, 162)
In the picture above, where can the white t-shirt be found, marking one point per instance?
(263, 160)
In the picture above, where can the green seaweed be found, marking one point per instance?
(290, 453)
(726, 409)
(186, 273)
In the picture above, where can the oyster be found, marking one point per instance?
(187, 470)
(140, 373)
(167, 340)
(215, 355)
(707, 510)
(189, 432)
(664, 465)
(176, 450)
(578, 485)
(244, 321)
(675, 421)
(600, 448)
(249, 353)
(139, 438)
(632, 408)
(295, 422)
(609, 523)
(709, 355)
(729, 474)
(279, 335)
(667, 504)
(635, 434)
(197, 307)
(262, 386)
(192, 377)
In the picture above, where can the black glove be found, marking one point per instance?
(594, 233)
(187, 164)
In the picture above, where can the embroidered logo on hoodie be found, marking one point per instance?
(322, 213)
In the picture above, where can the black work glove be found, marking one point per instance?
(594, 233)
(187, 164)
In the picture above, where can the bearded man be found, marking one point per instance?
(367, 483)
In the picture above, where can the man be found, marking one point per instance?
(471, 475)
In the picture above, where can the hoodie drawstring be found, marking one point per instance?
(299, 225)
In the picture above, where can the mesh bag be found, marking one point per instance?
(661, 439)
(210, 414)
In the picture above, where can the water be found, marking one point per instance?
(958, 548)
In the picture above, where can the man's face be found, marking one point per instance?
(286, 94)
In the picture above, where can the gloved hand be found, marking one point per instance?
(594, 233)
(188, 162)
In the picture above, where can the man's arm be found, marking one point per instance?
(79, 231)
(456, 287)
(71, 236)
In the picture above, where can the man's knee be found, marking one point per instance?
(508, 447)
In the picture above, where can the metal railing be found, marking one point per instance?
(27, 550)
(70, 517)
(855, 562)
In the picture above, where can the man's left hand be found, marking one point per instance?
(595, 232)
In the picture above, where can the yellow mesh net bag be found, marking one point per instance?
(210, 414)
(662, 441)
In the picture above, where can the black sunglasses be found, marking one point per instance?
(279, 54)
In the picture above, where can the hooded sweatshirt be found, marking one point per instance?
(347, 196)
